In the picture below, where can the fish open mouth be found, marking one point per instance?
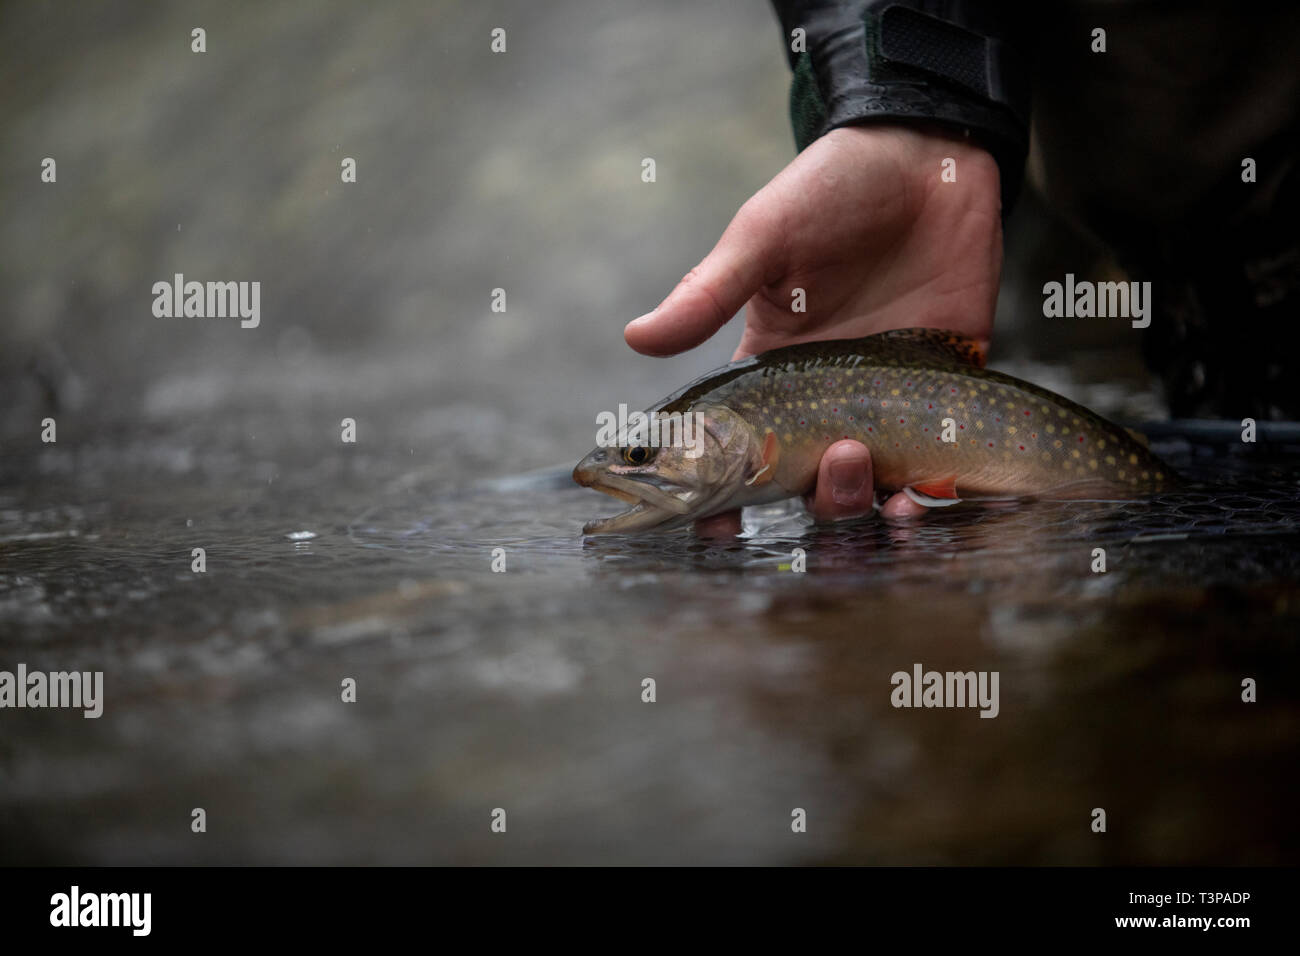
(655, 502)
(639, 517)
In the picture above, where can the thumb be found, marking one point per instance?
(711, 293)
(844, 482)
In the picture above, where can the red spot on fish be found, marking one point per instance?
(997, 419)
(1022, 447)
(802, 422)
(870, 429)
(902, 422)
(954, 391)
(1033, 434)
(835, 409)
(1026, 414)
(1080, 438)
(990, 444)
(962, 427)
(932, 404)
(909, 384)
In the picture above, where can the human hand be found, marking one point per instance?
(864, 224)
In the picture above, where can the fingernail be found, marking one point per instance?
(848, 475)
(640, 319)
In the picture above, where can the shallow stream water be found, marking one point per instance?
(522, 689)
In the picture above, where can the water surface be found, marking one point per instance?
(522, 690)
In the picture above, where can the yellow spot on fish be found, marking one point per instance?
(1101, 443)
(1011, 429)
(979, 424)
(984, 386)
(813, 406)
(1051, 429)
(1057, 443)
(1132, 459)
(1074, 453)
(1110, 459)
(1092, 463)
(893, 391)
(1121, 474)
(789, 437)
(1146, 474)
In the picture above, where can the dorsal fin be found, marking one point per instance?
(941, 343)
(1138, 437)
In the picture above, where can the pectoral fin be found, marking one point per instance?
(939, 493)
(771, 456)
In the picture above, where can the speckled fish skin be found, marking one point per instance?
(891, 392)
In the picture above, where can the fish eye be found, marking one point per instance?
(637, 455)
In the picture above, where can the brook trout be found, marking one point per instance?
(940, 428)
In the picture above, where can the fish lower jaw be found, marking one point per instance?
(639, 517)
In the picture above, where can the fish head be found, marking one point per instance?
(670, 485)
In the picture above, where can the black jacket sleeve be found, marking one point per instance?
(949, 62)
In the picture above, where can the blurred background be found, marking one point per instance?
(522, 690)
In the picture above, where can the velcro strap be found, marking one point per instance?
(914, 39)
